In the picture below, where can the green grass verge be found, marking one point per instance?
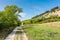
(42, 32)
(4, 33)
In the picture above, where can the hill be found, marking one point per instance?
(48, 16)
(53, 12)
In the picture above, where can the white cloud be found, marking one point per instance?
(22, 14)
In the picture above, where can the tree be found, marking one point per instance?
(9, 17)
(11, 12)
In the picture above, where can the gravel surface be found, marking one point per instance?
(17, 34)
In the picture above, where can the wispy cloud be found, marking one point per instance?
(22, 14)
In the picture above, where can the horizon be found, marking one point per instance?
(31, 8)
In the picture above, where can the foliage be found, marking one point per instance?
(9, 18)
(43, 20)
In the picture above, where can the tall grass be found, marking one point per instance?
(43, 32)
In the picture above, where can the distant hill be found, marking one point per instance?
(48, 16)
(53, 12)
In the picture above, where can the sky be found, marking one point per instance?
(31, 8)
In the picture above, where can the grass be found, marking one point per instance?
(4, 33)
(47, 31)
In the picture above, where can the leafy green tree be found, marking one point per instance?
(9, 16)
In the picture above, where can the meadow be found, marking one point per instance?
(46, 31)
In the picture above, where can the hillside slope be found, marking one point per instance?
(49, 16)
(53, 12)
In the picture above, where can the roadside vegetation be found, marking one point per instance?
(9, 20)
(46, 31)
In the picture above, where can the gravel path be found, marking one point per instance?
(17, 34)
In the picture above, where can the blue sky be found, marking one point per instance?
(31, 8)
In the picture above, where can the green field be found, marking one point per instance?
(47, 31)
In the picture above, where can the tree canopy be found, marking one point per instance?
(9, 17)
